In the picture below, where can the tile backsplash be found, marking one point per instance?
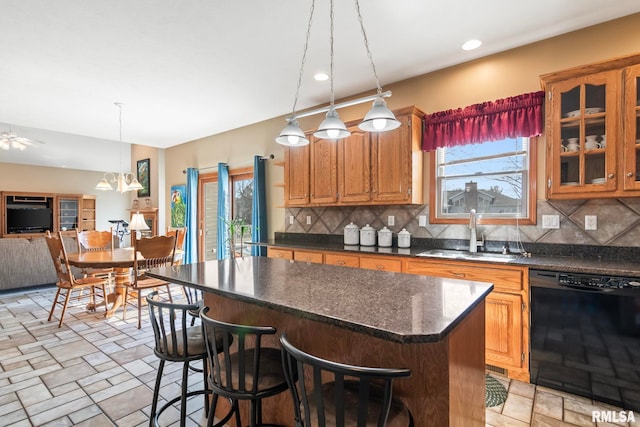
(618, 222)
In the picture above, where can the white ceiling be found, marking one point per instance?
(191, 68)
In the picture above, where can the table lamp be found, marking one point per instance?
(138, 224)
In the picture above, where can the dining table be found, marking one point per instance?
(120, 259)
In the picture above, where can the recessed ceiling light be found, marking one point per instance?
(321, 77)
(471, 44)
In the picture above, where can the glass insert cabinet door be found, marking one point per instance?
(632, 128)
(583, 133)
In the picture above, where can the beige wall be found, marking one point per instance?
(34, 179)
(506, 74)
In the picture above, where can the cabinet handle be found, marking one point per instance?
(380, 267)
(629, 174)
(339, 262)
(458, 274)
(611, 176)
(307, 259)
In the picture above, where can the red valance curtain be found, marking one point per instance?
(517, 116)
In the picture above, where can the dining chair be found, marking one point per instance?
(180, 234)
(93, 241)
(149, 252)
(67, 282)
(326, 393)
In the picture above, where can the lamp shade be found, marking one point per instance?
(135, 184)
(379, 118)
(138, 223)
(104, 185)
(332, 127)
(292, 135)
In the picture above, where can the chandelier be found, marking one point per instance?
(10, 140)
(125, 181)
(378, 119)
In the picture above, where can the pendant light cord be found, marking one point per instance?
(332, 98)
(119, 105)
(304, 59)
(366, 45)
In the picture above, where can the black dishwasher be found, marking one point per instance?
(585, 335)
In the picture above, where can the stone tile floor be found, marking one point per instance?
(97, 372)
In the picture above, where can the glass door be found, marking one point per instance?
(208, 217)
(585, 110)
(632, 128)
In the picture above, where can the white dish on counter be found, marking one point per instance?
(591, 110)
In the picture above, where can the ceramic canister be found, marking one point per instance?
(367, 236)
(404, 239)
(385, 237)
(351, 234)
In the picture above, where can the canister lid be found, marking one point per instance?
(351, 226)
(404, 232)
(384, 230)
(367, 228)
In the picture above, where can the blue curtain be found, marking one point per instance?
(224, 210)
(191, 218)
(259, 207)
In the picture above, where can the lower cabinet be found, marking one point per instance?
(507, 308)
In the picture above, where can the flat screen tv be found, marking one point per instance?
(29, 220)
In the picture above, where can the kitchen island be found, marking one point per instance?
(433, 326)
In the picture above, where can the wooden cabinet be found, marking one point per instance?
(591, 126)
(296, 176)
(507, 313)
(396, 162)
(342, 260)
(68, 212)
(280, 253)
(362, 169)
(308, 256)
(88, 213)
(323, 181)
(381, 264)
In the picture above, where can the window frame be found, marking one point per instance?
(529, 219)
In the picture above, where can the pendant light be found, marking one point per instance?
(378, 119)
(125, 182)
(331, 127)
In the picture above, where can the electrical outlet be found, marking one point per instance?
(290, 219)
(308, 219)
(391, 220)
(590, 222)
(422, 221)
(550, 221)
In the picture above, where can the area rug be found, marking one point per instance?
(495, 393)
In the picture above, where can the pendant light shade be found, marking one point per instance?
(104, 185)
(379, 118)
(292, 135)
(332, 127)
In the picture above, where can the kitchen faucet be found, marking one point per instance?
(473, 240)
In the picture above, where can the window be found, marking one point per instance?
(495, 178)
(241, 207)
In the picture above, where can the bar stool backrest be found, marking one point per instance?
(170, 323)
(234, 370)
(323, 391)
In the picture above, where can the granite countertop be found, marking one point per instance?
(392, 306)
(562, 258)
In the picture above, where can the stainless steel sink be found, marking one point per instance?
(466, 255)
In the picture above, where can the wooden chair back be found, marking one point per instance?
(155, 251)
(94, 240)
(59, 257)
(180, 234)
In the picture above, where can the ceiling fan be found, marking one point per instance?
(11, 140)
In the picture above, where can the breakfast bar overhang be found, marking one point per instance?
(433, 326)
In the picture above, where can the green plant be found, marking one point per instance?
(237, 231)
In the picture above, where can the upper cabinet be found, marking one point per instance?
(591, 130)
(362, 169)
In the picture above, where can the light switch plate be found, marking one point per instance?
(422, 221)
(290, 219)
(391, 220)
(550, 221)
(308, 219)
(590, 222)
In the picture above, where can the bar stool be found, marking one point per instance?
(249, 372)
(175, 341)
(357, 396)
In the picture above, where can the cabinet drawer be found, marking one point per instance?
(509, 279)
(382, 264)
(305, 256)
(280, 253)
(342, 260)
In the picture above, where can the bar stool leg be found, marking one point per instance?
(156, 392)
